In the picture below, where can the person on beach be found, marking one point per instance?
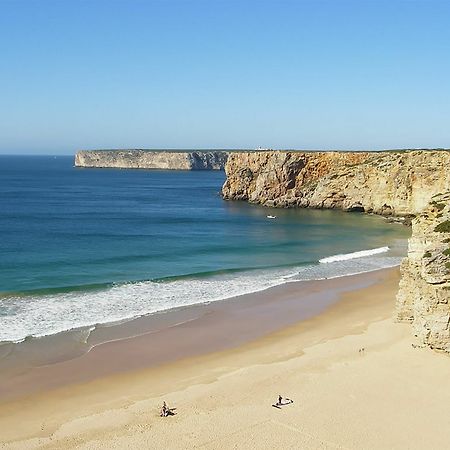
(164, 410)
(287, 401)
(280, 402)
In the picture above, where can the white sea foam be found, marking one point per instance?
(51, 314)
(354, 255)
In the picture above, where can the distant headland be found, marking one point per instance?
(153, 159)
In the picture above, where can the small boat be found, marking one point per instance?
(271, 217)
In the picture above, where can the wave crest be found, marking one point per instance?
(55, 312)
(354, 255)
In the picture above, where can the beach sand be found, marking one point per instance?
(355, 378)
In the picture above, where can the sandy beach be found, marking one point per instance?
(225, 225)
(355, 378)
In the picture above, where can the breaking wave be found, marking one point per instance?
(353, 255)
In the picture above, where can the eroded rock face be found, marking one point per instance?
(387, 183)
(424, 292)
(410, 183)
(146, 159)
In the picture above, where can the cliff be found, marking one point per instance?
(387, 183)
(424, 292)
(152, 159)
(404, 183)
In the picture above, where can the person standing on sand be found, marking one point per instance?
(280, 399)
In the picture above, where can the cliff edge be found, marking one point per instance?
(152, 159)
(397, 183)
(387, 183)
(424, 291)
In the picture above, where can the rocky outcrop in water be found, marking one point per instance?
(152, 159)
(404, 183)
(424, 292)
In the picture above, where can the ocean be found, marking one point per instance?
(82, 247)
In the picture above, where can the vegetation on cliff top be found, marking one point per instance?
(443, 227)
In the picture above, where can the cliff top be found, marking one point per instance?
(184, 150)
(153, 150)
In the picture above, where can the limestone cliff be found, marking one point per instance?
(387, 183)
(406, 183)
(424, 292)
(152, 159)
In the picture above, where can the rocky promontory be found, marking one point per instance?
(391, 183)
(152, 159)
(388, 183)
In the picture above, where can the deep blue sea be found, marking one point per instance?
(85, 246)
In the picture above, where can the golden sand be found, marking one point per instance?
(356, 381)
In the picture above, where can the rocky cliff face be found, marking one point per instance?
(410, 183)
(424, 292)
(146, 159)
(387, 183)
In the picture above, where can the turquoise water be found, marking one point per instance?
(87, 246)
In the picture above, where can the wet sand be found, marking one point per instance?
(161, 338)
(389, 395)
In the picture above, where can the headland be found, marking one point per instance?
(152, 159)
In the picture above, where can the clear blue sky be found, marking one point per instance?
(305, 74)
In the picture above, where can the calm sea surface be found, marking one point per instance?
(85, 246)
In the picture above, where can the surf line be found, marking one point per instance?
(347, 256)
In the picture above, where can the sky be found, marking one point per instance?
(292, 74)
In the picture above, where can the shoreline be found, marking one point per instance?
(151, 341)
(315, 272)
(223, 398)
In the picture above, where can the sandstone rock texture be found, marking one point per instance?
(387, 183)
(152, 159)
(424, 292)
(391, 183)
